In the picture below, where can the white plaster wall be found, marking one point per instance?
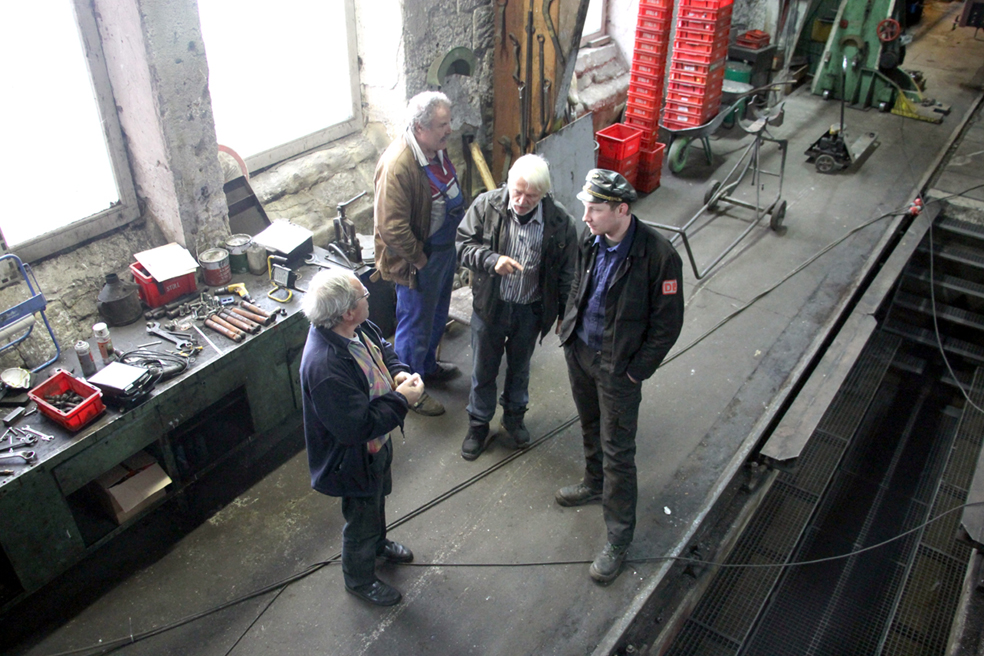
(129, 71)
(622, 17)
(379, 29)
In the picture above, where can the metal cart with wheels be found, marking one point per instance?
(721, 191)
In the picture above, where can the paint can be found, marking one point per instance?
(256, 256)
(215, 265)
(237, 246)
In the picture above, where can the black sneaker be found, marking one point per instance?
(513, 426)
(445, 371)
(576, 495)
(475, 442)
(377, 593)
(608, 564)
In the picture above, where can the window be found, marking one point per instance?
(65, 174)
(595, 21)
(283, 76)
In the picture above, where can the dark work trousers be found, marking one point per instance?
(608, 408)
(364, 532)
(515, 334)
(421, 313)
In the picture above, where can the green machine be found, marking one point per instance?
(868, 35)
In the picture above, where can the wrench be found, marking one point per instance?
(180, 339)
(28, 456)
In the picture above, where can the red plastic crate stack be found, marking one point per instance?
(618, 150)
(700, 48)
(646, 87)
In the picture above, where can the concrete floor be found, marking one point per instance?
(534, 595)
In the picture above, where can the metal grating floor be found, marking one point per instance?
(889, 453)
(729, 608)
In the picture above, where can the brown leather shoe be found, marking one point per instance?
(428, 406)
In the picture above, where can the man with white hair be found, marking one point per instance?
(418, 207)
(521, 245)
(356, 393)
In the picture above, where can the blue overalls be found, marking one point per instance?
(422, 313)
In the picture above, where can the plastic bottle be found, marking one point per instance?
(103, 341)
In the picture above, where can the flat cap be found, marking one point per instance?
(603, 186)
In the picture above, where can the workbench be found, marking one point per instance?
(238, 401)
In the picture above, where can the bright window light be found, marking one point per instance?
(55, 168)
(592, 21)
(278, 71)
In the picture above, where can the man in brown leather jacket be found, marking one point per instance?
(418, 207)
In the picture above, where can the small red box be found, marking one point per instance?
(156, 294)
(618, 141)
(91, 406)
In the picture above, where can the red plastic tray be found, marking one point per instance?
(91, 406)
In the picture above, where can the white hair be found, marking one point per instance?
(533, 170)
(330, 295)
(421, 108)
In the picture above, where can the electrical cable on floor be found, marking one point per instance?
(280, 586)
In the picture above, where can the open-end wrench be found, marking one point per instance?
(181, 341)
(27, 456)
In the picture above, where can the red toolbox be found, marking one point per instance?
(156, 294)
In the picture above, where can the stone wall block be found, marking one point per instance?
(483, 28)
(465, 6)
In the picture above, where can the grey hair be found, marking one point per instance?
(421, 108)
(533, 170)
(329, 295)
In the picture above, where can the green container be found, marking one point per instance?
(738, 72)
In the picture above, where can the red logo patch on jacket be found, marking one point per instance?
(669, 286)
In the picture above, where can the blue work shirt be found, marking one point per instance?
(591, 328)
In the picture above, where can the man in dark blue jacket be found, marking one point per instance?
(624, 313)
(356, 393)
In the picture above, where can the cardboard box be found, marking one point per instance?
(132, 486)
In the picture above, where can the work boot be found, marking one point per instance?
(377, 593)
(444, 372)
(513, 425)
(475, 441)
(576, 495)
(608, 564)
(428, 406)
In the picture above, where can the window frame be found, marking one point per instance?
(127, 209)
(586, 39)
(331, 133)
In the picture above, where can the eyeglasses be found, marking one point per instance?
(366, 295)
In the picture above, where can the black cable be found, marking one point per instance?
(104, 647)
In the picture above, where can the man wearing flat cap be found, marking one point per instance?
(623, 315)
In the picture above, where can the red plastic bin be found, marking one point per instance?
(618, 141)
(647, 127)
(651, 158)
(623, 166)
(654, 4)
(91, 406)
(647, 182)
(156, 294)
(706, 4)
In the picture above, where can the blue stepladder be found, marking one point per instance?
(21, 316)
